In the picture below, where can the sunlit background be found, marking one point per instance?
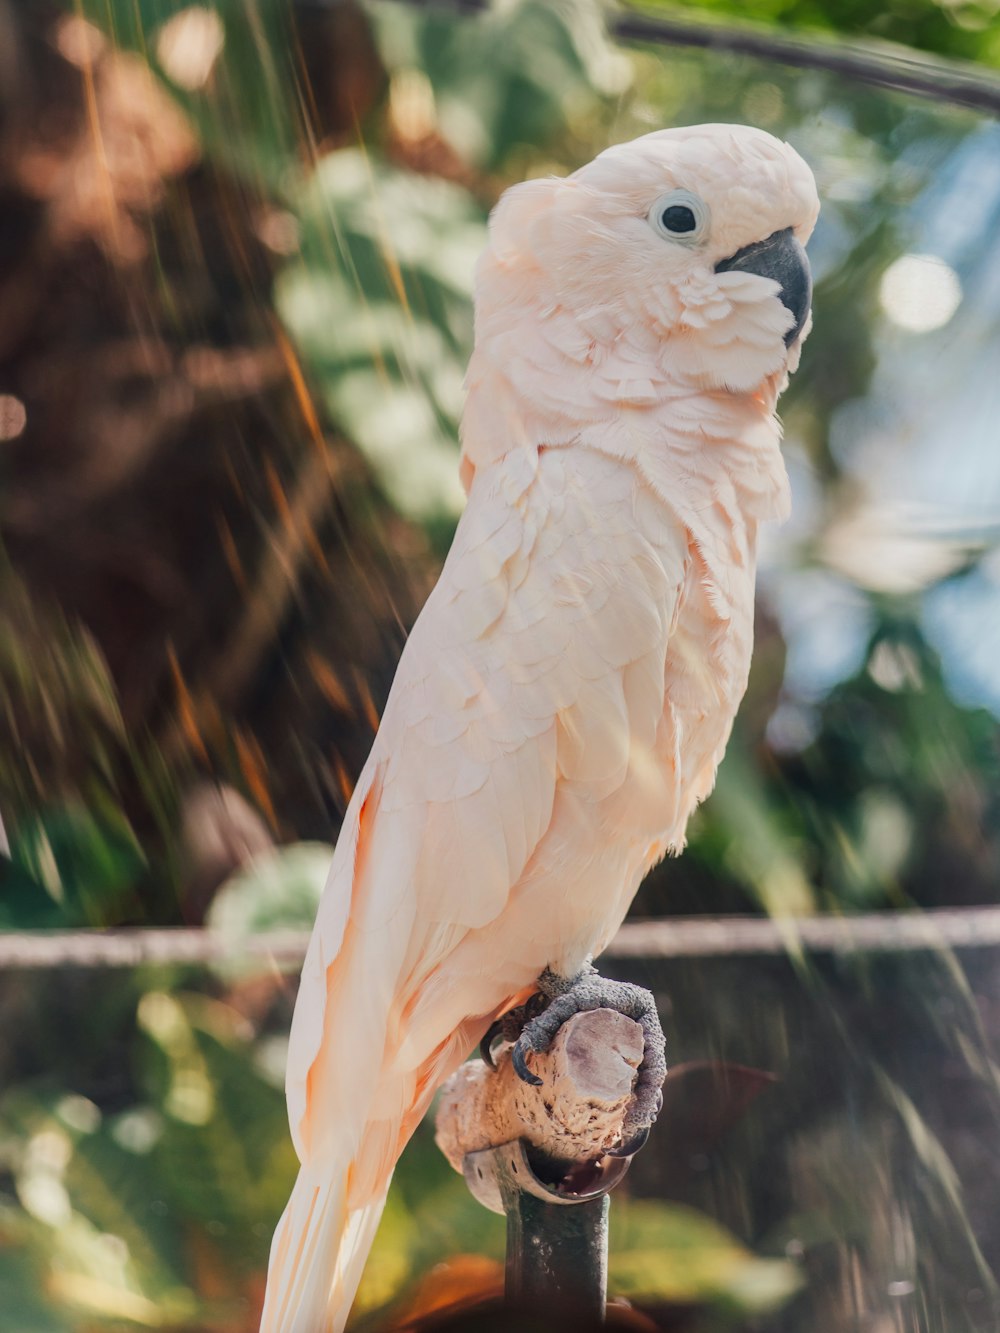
(236, 249)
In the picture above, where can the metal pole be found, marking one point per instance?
(557, 1240)
(558, 1256)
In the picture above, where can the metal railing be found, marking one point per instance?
(668, 937)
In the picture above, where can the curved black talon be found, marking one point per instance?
(494, 1030)
(632, 1147)
(521, 1068)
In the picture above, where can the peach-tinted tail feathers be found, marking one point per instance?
(318, 1252)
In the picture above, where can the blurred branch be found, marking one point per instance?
(874, 932)
(139, 948)
(679, 937)
(893, 68)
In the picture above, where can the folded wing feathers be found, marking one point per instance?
(557, 680)
(485, 704)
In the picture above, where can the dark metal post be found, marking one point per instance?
(558, 1256)
(557, 1241)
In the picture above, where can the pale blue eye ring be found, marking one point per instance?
(680, 216)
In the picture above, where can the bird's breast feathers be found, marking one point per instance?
(579, 642)
(559, 708)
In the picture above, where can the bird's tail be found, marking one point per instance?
(319, 1251)
(324, 1235)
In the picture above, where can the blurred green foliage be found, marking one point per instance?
(72, 866)
(56, 697)
(509, 83)
(151, 1208)
(252, 119)
(399, 274)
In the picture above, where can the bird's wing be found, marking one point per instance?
(537, 661)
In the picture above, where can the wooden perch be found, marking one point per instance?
(577, 1113)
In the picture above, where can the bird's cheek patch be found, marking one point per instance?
(732, 331)
(705, 316)
(702, 302)
(722, 359)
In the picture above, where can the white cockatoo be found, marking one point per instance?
(566, 694)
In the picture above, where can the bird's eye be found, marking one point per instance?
(680, 216)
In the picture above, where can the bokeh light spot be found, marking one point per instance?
(279, 230)
(920, 292)
(79, 42)
(13, 417)
(189, 44)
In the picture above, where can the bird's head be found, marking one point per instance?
(685, 241)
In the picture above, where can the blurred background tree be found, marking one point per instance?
(235, 310)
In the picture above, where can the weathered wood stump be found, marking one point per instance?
(573, 1118)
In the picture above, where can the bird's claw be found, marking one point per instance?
(494, 1031)
(521, 1066)
(629, 1149)
(508, 1027)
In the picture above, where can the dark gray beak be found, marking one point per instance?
(782, 258)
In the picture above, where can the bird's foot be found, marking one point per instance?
(576, 995)
(511, 1025)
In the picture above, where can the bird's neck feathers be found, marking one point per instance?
(549, 383)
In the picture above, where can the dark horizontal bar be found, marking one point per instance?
(889, 68)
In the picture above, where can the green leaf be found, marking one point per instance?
(25, 904)
(380, 305)
(85, 860)
(672, 1253)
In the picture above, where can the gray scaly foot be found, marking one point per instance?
(588, 991)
